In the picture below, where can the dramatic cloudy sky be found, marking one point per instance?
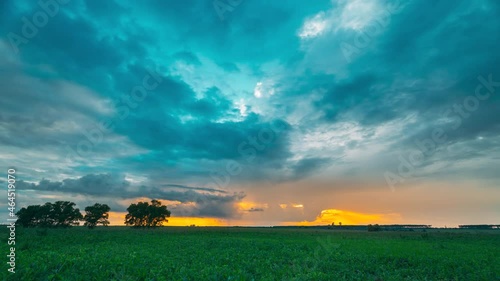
(256, 112)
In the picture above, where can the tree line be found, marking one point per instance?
(64, 214)
(480, 226)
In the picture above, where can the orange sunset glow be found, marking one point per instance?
(117, 219)
(348, 218)
(326, 217)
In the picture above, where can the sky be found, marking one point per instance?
(255, 113)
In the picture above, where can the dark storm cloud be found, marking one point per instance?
(210, 206)
(115, 185)
(111, 72)
(79, 47)
(247, 35)
(348, 94)
(229, 67)
(307, 166)
(187, 57)
(454, 43)
(102, 10)
(401, 69)
(194, 188)
(102, 184)
(207, 202)
(425, 61)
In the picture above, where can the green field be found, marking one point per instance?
(198, 253)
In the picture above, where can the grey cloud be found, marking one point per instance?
(208, 203)
(194, 188)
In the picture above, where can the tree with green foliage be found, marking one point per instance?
(45, 217)
(65, 214)
(29, 216)
(58, 214)
(96, 214)
(144, 214)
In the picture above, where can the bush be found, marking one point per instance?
(375, 227)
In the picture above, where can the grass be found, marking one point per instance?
(178, 253)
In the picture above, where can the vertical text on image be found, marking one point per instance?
(11, 220)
